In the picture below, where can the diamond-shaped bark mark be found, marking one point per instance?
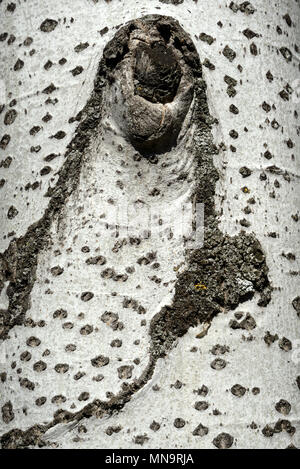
(238, 390)
(25, 356)
(201, 405)
(87, 296)
(59, 135)
(18, 65)
(10, 117)
(103, 31)
(296, 305)
(49, 89)
(40, 401)
(223, 441)
(229, 53)
(248, 323)
(6, 162)
(48, 25)
(125, 372)
(283, 406)
(7, 412)
(35, 130)
(39, 366)
(11, 7)
(206, 38)
(285, 344)
(59, 399)
(201, 430)
(155, 426)
(284, 95)
(33, 342)
(84, 396)
(244, 7)
(286, 53)
(12, 212)
(61, 368)
(4, 141)
(86, 330)
(108, 273)
(48, 65)
(110, 319)
(77, 70)
(26, 383)
(250, 34)
(98, 260)
(100, 361)
(218, 364)
(80, 47)
(60, 314)
(57, 270)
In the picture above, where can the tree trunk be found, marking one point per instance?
(124, 322)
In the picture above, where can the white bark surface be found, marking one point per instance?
(266, 122)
